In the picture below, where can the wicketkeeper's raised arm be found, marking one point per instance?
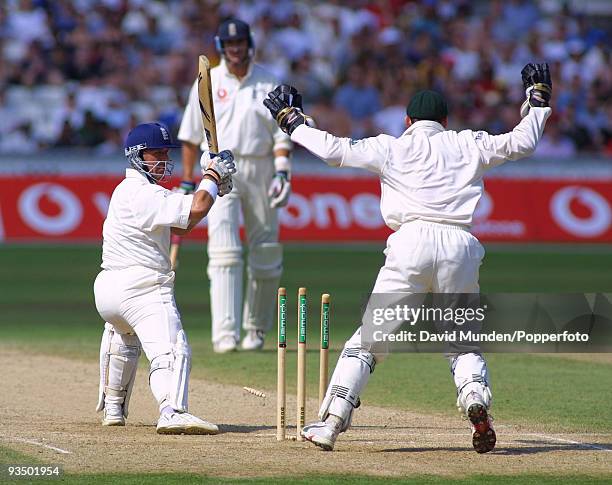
(285, 105)
(519, 143)
(368, 153)
(523, 139)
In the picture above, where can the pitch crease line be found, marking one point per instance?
(37, 443)
(572, 442)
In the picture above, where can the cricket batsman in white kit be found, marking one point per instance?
(134, 292)
(262, 186)
(431, 181)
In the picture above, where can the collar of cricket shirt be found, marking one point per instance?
(227, 72)
(131, 173)
(430, 127)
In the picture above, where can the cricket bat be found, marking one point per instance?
(207, 111)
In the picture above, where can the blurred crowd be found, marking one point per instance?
(81, 73)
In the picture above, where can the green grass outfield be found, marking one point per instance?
(46, 303)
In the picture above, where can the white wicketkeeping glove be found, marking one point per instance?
(280, 189)
(220, 168)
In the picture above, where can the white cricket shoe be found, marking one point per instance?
(225, 345)
(321, 434)
(253, 340)
(184, 423)
(113, 415)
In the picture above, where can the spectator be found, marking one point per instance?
(67, 136)
(19, 141)
(28, 23)
(295, 40)
(554, 143)
(356, 56)
(358, 98)
(578, 134)
(594, 120)
(92, 132)
(391, 118)
(305, 79)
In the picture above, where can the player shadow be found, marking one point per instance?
(223, 428)
(537, 447)
(243, 428)
(410, 428)
(417, 449)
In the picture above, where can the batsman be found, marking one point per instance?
(263, 185)
(431, 181)
(134, 292)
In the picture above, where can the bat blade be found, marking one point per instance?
(207, 108)
(207, 111)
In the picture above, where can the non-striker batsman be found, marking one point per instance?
(262, 185)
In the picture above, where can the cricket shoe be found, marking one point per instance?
(483, 434)
(113, 415)
(253, 340)
(322, 434)
(184, 423)
(225, 345)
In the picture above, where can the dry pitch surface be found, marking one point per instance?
(49, 413)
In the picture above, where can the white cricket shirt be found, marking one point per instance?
(428, 173)
(137, 227)
(244, 124)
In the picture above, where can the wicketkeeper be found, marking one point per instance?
(431, 181)
(134, 292)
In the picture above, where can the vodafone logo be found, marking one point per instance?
(221, 93)
(485, 225)
(581, 211)
(329, 210)
(63, 214)
(73, 208)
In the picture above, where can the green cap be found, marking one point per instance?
(427, 105)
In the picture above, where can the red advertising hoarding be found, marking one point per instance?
(72, 208)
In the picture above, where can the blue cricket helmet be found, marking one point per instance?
(149, 136)
(233, 29)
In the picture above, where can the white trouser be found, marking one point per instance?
(141, 301)
(421, 257)
(250, 195)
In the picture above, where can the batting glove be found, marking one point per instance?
(538, 87)
(225, 187)
(220, 168)
(280, 189)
